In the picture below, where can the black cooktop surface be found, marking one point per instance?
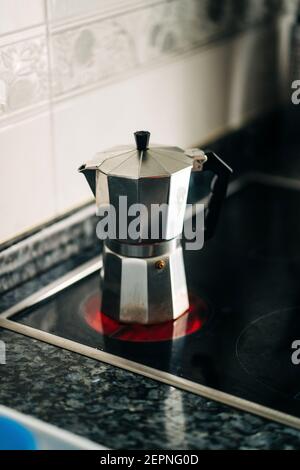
(244, 319)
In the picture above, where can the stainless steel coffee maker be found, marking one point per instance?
(143, 280)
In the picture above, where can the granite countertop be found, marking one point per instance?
(116, 408)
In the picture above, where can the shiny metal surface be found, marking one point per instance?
(171, 191)
(129, 162)
(144, 290)
(199, 158)
(144, 284)
(149, 250)
(158, 175)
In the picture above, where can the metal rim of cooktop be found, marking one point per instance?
(131, 366)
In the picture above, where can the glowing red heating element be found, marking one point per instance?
(189, 323)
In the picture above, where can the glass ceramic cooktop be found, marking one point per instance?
(244, 320)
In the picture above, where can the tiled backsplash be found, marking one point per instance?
(24, 72)
(77, 76)
(19, 14)
(104, 47)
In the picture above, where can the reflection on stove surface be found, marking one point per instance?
(229, 341)
(189, 323)
(264, 350)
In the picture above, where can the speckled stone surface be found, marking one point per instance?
(56, 243)
(116, 408)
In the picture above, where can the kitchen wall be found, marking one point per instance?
(77, 76)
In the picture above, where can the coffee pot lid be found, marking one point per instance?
(141, 161)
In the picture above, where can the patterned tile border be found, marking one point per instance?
(24, 73)
(99, 50)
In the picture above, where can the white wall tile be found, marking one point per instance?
(27, 193)
(182, 103)
(19, 14)
(63, 9)
(169, 101)
(255, 74)
(59, 9)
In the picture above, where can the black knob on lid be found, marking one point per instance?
(142, 140)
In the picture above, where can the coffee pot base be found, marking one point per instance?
(144, 291)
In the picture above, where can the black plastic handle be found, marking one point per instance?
(219, 186)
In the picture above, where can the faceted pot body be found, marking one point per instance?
(155, 206)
